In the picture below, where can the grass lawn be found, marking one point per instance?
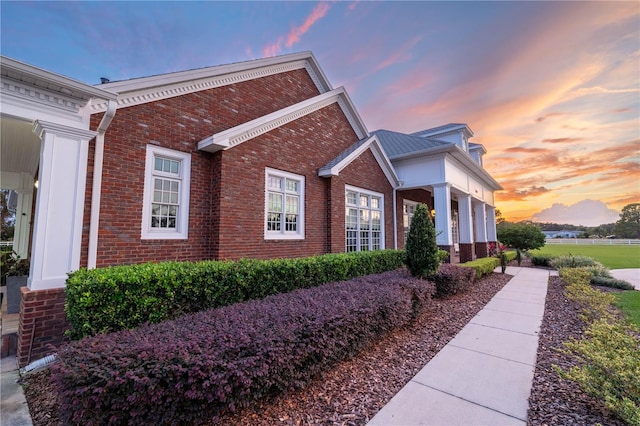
(613, 257)
(629, 302)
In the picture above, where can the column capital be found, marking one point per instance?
(40, 127)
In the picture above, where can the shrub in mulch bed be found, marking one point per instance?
(189, 370)
(451, 279)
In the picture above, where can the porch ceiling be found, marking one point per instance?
(19, 146)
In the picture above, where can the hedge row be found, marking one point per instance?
(189, 370)
(124, 297)
(607, 365)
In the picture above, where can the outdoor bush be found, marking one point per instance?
(188, 370)
(482, 266)
(451, 279)
(123, 297)
(612, 283)
(511, 255)
(570, 261)
(594, 303)
(609, 367)
(541, 260)
(422, 253)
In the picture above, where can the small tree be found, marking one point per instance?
(422, 258)
(629, 224)
(521, 237)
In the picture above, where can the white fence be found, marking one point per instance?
(590, 242)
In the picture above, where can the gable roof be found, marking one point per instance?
(447, 128)
(153, 88)
(398, 144)
(345, 158)
(251, 129)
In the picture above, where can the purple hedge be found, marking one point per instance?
(451, 279)
(189, 370)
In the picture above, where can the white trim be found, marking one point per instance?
(249, 130)
(284, 235)
(181, 232)
(381, 210)
(148, 89)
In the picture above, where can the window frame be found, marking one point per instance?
(283, 234)
(181, 231)
(371, 244)
(408, 217)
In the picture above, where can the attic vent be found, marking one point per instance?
(104, 80)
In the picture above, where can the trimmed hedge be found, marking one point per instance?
(124, 297)
(189, 370)
(451, 279)
(482, 266)
(541, 260)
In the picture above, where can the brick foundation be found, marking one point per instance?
(42, 323)
(450, 250)
(482, 249)
(466, 252)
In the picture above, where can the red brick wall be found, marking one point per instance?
(301, 147)
(42, 323)
(364, 172)
(177, 123)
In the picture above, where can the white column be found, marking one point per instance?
(492, 235)
(466, 220)
(442, 204)
(57, 233)
(481, 222)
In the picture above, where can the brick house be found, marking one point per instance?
(259, 159)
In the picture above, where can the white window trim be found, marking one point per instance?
(375, 194)
(181, 231)
(284, 235)
(413, 204)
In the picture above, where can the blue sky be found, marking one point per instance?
(551, 89)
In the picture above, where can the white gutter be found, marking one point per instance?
(97, 183)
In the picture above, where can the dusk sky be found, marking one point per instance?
(551, 89)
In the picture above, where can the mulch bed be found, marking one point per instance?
(354, 391)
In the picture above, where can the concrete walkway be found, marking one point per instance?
(483, 376)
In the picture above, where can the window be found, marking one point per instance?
(408, 210)
(364, 220)
(166, 194)
(284, 205)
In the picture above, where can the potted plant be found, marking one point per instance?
(15, 272)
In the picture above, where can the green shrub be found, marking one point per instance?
(609, 367)
(541, 260)
(612, 283)
(483, 266)
(422, 253)
(123, 297)
(571, 261)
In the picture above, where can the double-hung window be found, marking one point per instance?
(284, 205)
(408, 210)
(166, 194)
(364, 217)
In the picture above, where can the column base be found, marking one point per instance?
(466, 252)
(450, 250)
(482, 249)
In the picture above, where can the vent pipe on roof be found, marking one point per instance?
(104, 80)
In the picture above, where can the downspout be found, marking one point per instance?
(97, 183)
(395, 220)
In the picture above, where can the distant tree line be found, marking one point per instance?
(628, 226)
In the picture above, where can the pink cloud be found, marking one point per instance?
(295, 33)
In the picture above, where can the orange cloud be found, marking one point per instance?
(561, 140)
